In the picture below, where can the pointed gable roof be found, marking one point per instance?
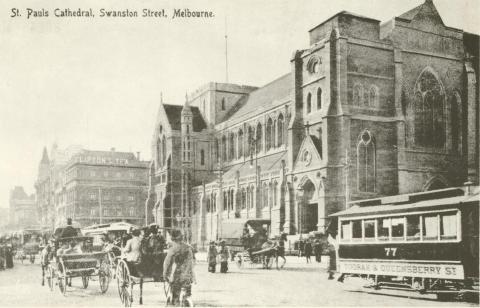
(45, 159)
(426, 10)
(314, 146)
(174, 116)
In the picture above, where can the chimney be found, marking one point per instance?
(138, 155)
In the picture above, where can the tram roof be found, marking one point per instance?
(357, 210)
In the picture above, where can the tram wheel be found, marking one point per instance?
(124, 284)
(85, 280)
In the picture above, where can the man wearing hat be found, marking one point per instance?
(181, 255)
(224, 254)
(212, 257)
(69, 231)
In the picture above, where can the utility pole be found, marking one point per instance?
(226, 51)
(346, 168)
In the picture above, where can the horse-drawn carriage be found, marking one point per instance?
(247, 240)
(108, 237)
(149, 269)
(73, 257)
(27, 244)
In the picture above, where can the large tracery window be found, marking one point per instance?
(366, 172)
(429, 111)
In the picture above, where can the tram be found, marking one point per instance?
(426, 242)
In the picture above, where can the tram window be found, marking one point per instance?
(346, 230)
(430, 227)
(413, 227)
(369, 231)
(448, 226)
(383, 229)
(398, 227)
(357, 229)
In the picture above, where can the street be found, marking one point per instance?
(298, 284)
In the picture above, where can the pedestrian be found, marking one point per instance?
(317, 250)
(9, 254)
(332, 254)
(307, 251)
(179, 254)
(45, 260)
(156, 244)
(281, 249)
(301, 247)
(2, 255)
(212, 257)
(224, 253)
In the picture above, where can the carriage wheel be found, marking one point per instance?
(85, 280)
(62, 280)
(50, 277)
(111, 265)
(124, 283)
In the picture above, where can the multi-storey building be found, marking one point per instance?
(101, 187)
(368, 110)
(91, 187)
(23, 212)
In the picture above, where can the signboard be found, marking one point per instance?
(101, 160)
(410, 269)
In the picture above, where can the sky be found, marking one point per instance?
(97, 82)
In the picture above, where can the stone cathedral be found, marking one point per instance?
(370, 109)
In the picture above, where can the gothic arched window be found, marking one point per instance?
(159, 152)
(259, 139)
(208, 205)
(309, 102)
(456, 122)
(357, 95)
(224, 148)
(275, 193)
(240, 143)
(268, 134)
(250, 138)
(373, 97)
(214, 202)
(280, 130)
(231, 152)
(319, 98)
(265, 195)
(223, 103)
(202, 157)
(366, 168)
(429, 124)
(244, 199)
(225, 201)
(164, 150)
(217, 151)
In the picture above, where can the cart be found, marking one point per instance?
(77, 261)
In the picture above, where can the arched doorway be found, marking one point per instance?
(308, 208)
(435, 183)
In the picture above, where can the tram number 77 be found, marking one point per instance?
(390, 252)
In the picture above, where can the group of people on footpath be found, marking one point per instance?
(6, 253)
(311, 247)
(218, 253)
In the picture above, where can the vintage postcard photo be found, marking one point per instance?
(232, 153)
